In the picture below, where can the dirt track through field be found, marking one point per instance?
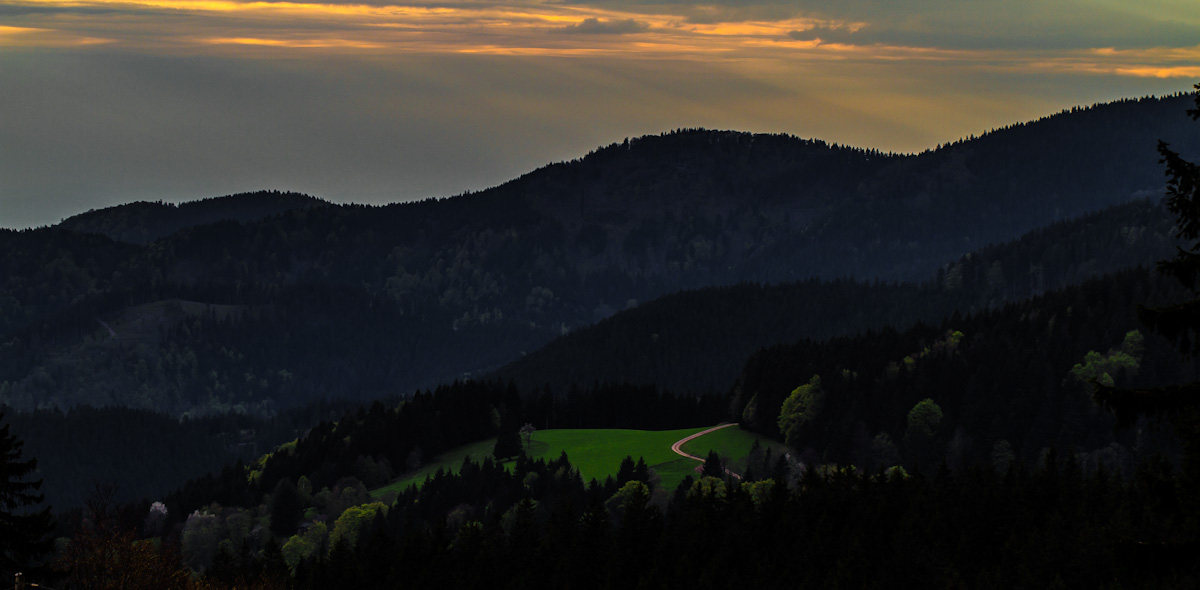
(678, 447)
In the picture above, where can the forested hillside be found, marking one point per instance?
(1012, 382)
(697, 341)
(241, 313)
(139, 453)
(904, 439)
(1007, 420)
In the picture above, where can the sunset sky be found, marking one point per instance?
(104, 102)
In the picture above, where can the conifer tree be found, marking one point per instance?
(713, 466)
(1179, 322)
(508, 444)
(24, 531)
(625, 473)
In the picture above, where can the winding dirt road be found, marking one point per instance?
(678, 447)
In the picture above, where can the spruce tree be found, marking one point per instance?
(626, 472)
(24, 530)
(1180, 323)
(713, 467)
(508, 444)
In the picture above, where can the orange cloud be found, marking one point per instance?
(530, 27)
(292, 43)
(42, 37)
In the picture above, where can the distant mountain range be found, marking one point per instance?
(253, 301)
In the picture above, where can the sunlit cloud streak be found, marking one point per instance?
(858, 29)
(40, 37)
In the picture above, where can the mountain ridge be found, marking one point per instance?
(448, 288)
(142, 222)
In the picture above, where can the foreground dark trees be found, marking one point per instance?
(24, 530)
(539, 525)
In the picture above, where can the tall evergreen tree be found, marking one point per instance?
(713, 467)
(1179, 322)
(24, 530)
(508, 444)
(625, 473)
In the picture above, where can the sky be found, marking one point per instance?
(104, 102)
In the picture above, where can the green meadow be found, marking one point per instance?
(597, 453)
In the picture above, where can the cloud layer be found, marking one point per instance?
(1015, 31)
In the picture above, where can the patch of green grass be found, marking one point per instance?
(733, 443)
(597, 453)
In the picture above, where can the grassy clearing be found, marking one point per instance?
(598, 453)
(595, 453)
(732, 443)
